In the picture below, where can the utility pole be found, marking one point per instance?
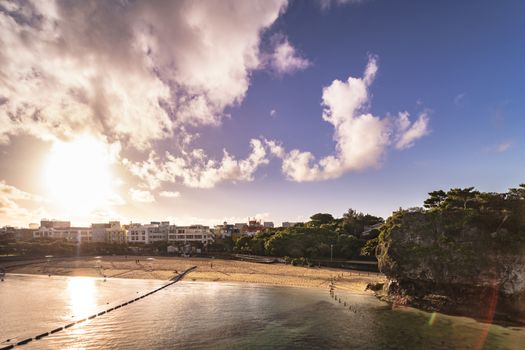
(331, 252)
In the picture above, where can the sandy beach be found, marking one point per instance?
(216, 270)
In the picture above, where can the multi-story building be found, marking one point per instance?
(116, 233)
(72, 234)
(190, 234)
(99, 232)
(138, 233)
(225, 231)
(268, 224)
(111, 232)
(252, 228)
(240, 226)
(54, 224)
(154, 232)
(160, 232)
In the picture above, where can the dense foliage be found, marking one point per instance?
(349, 237)
(455, 227)
(500, 215)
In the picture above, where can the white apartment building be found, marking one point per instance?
(190, 234)
(148, 233)
(113, 232)
(138, 233)
(105, 232)
(72, 234)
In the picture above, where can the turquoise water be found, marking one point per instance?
(210, 315)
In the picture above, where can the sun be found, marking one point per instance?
(78, 176)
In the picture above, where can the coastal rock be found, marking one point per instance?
(445, 262)
(375, 286)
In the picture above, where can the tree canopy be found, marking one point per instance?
(317, 238)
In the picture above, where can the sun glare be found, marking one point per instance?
(78, 175)
(82, 296)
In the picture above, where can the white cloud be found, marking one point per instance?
(407, 133)
(361, 138)
(285, 59)
(14, 203)
(142, 196)
(169, 194)
(132, 71)
(273, 113)
(195, 169)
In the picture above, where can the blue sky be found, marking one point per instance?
(456, 66)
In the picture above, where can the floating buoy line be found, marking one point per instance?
(331, 291)
(173, 280)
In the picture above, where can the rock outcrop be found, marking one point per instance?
(454, 262)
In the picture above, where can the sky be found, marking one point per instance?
(212, 111)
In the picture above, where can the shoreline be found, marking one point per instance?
(208, 269)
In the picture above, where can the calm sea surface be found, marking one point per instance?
(225, 316)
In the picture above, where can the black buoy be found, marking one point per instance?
(25, 341)
(56, 330)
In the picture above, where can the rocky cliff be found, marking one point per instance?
(457, 261)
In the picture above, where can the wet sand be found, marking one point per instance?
(216, 270)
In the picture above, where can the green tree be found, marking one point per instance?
(321, 219)
(369, 248)
(435, 199)
(460, 198)
(517, 193)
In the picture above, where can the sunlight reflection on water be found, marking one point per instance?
(81, 292)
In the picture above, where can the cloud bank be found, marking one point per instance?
(132, 71)
(195, 169)
(135, 73)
